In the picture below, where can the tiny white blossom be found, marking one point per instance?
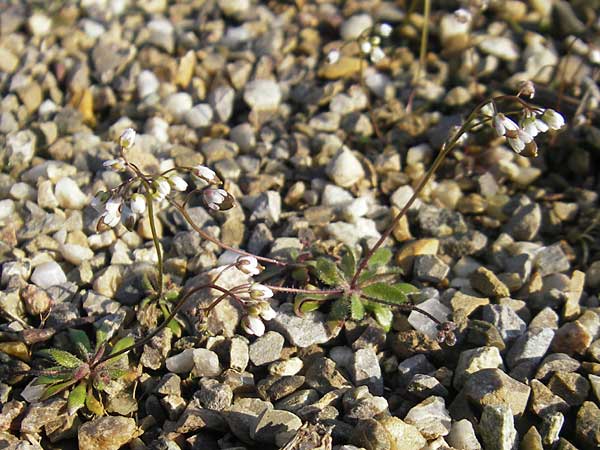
(206, 174)
(517, 139)
(111, 219)
(502, 124)
(266, 311)
(377, 55)
(554, 120)
(253, 325)
(118, 164)
(128, 217)
(534, 126)
(463, 15)
(138, 203)
(260, 292)
(248, 265)
(178, 183)
(385, 29)
(99, 200)
(163, 188)
(365, 47)
(217, 199)
(127, 138)
(113, 204)
(333, 56)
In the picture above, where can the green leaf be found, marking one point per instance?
(386, 293)
(50, 379)
(101, 337)
(76, 398)
(81, 342)
(380, 258)
(300, 274)
(366, 275)
(122, 343)
(93, 404)
(61, 358)
(340, 309)
(407, 288)
(306, 302)
(327, 272)
(173, 325)
(56, 388)
(348, 263)
(384, 316)
(357, 308)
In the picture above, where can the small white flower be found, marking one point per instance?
(487, 110)
(217, 199)
(266, 311)
(534, 126)
(111, 218)
(248, 265)
(385, 29)
(127, 138)
(260, 292)
(99, 200)
(178, 183)
(463, 15)
(377, 55)
(206, 174)
(138, 203)
(365, 47)
(113, 204)
(333, 56)
(253, 325)
(517, 139)
(502, 124)
(118, 165)
(128, 217)
(554, 120)
(162, 187)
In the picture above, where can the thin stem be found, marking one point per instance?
(216, 241)
(155, 238)
(404, 307)
(364, 87)
(306, 291)
(424, 40)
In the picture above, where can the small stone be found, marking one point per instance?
(267, 207)
(303, 331)
(365, 370)
(505, 319)
(467, 304)
(182, 362)
(262, 95)
(178, 105)
(106, 433)
(221, 100)
(412, 366)
(324, 376)
(424, 386)
(424, 324)
(206, 363)
(570, 386)
(440, 222)
(530, 347)
(402, 195)
(354, 26)
(532, 440)
(556, 362)
(266, 348)
(486, 282)
(234, 8)
(572, 338)
(500, 47)
(497, 428)
(147, 83)
(474, 360)
(544, 401)
(546, 318)
(462, 436)
(551, 260)
(199, 116)
(275, 427)
(525, 222)
(430, 268)
(68, 194)
(494, 387)
(587, 426)
(48, 274)
(214, 394)
(8, 61)
(401, 434)
(430, 417)
(405, 257)
(76, 254)
(344, 168)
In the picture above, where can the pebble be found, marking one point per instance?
(570, 386)
(551, 259)
(430, 417)
(262, 95)
(365, 370)
(500, 47)
(486, 282)
(221, 100)
(544, 401)
(48, 274)
(179, 105)
(497, 428)
(182, 362)
(471, 361)
(300, 331)
(587, 425)
(353, 27)
(7, 208)
(505, 319)
(525, 222)
(530, 347)
(344, 168)
(199, 116)
(462, 436)
(423, 323)
(275, 427)
(206, 363)
(266, 348)
(572, 338)
(106, 433)
(76, 254)
(494, 387)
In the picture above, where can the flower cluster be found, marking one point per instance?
(369, 44)
(521, 136)
(257, 298)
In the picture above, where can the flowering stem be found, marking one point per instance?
(155, 238)
(404, 307)
(424, 39)
(216, 241)
(306, 291)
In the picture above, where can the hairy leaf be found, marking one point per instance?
(327, 272)
(384, 316)
(76, 398)
(407, 288)
(173, 325)
(56, 388)
(93, 404)
(348, 263)
(81, 342)
(50, 379)
(340, 309)
(357, 308)
(61, 357)
(122, 343)
(380, 258)
(304, 303)
(386, 293)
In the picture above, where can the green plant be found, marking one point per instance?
(84, 371)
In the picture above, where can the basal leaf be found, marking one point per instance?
(348, 263)
(76, 398)
(384, 316)
(357, 308)
(386, 293)
(407, 288)
(307, 302)
(81, 342)
(327, 272)
(173, 325)
(122, 343)
(61, 358)
(340, 309)
(93, 404)
(50, 379)
(380, 258)
(56, 388)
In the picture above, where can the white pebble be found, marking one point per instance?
(69, 195)
(262, 95)
(344, 168)
(76, 254)
(7, 207)
(48, 274)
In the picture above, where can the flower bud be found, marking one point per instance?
(248, 265)
(252, 324)
(162, 188)
(527, 89)
(218, 199)
(178, 183)
(384, 29)
(99, 200)
(118, 165)
(127, 138)
(260, 292)
(138, 203)
(553, 119)
(206, 174)
(36, 300)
